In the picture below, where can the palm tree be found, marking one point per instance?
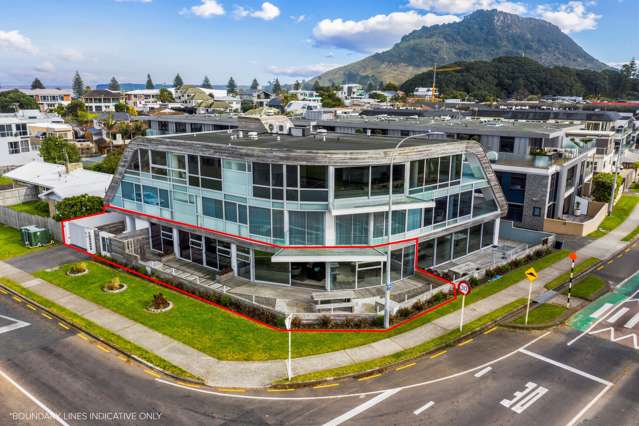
(138, 128)
(109, 125)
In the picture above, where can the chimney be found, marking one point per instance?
(71, 167)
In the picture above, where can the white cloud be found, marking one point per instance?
(46, 67)
(13, 40)
(303, 70)
(207, 9)
(375, 33)
(298, 19)
(571, 17)
(466, 6)
(268, 12)
(70, 54)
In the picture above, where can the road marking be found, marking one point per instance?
(361, 408)
(620, 256)
(83, 337)
(46, 316)
(610, 261)
(423, 408)
(631, 336)
(490, 331)
(34, 399)
(16, 299)
(3, 291)
(526, 398)
(16, 324)
(31, 307)
(617, 315)
(122, 358)
(281, 390)
(231, 390)
(102, 348)
(633, 321)
(482, 372)
(600, 268)
(465, 342)
(152, 373)
(412, 364)
(372, 376)
(191, 385)
(438, 354)
(590, 404)
(602, 310)
(328, 385)
(63, 326)
(359, 394)
(627, 250)
(565, 367)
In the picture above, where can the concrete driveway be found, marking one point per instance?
(45, 259)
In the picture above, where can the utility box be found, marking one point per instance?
(34, 236)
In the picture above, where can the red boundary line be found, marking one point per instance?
(231, 311)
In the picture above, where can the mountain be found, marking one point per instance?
(482, 35)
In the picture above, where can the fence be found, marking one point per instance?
(9, 197)
(17, 220)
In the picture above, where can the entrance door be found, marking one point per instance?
(309, 274)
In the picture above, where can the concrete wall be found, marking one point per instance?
(508, 231)
(9, 197)
(536, 195)
(596, 210)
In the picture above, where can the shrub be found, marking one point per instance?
(114, 284)
(159, 302)
(325, 321)
(78, 268)
(296, 322)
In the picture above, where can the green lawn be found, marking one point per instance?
(37, 208)
(620, 213)
(544, 314)
(11, 244)
(229, 337)
(585, 288)
(98, 331)
(5, 181)
(408, 353)
(634, 187)
(566, 275)
(631, 235)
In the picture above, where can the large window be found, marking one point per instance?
(483, 202)
(131, 191)
(352, 229)
(435, 172)
(156, 197)
(303, 183)
(212, 208)
(266, 222)
(443, 248)
(265, 270)
(218, 254)
(506, 144)
(306, 228)
(351, 182)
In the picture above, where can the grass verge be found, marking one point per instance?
(11, 244)
(226, 336)
(631, 235)
(587, 287)
(619, 214)
(544, 314)
(580, 267)
(36, 208)
(408, 353)
(104, 334)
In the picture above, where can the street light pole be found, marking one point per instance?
(611, 204)
(389, 284)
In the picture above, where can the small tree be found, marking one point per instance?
(114, 85)
(74, 107)
(602, 186)
(110, 162)
(120, 107)
(166, 95)
(317, 86)
(297, 85)
(231, 87)
(391, 87)
(80, 205)
(36, 84)
(277, 87)
(378, 96)
(207, 83)
(54, 149)
(254, 84)
(247, 105)
(149, 82)
(10, 98)
(177, 81)
(78, 85)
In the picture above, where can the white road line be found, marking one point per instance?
(566, 367)
(34, 399)
(633, 321)
(587, 407)
(617, 315)
(423, 408)
(596, 323)
(602, 310)
(16, 324)
(482, 372)
(613, 338)
(361, 408)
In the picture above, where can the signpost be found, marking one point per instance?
(289, 322)
(531, 274)
(573, 257)
(464, 288)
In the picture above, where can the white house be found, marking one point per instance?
(425, 92)
(102, 100)
(48, 99)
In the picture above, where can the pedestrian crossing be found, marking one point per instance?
(621, 322)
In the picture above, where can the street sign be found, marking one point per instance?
(288, 321)
(531, 274)
(573, 256)
(463, 287)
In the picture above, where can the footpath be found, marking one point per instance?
(261, 373)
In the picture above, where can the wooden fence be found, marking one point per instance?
(17, 220)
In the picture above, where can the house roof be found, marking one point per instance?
(58, 183)
(101, 93)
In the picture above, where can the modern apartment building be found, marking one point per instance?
(48, 99)
(307, 210)
(102, 100)
(16, 146)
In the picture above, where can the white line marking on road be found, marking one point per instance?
(361, 408)
(350, 395)
(482, 372)
(631, 336)
(565, 367)
(526, 398)
(617, 315)
(601, 319)
(16, 324)
(587, 407)
(602, 310)
(633, 321)
(423, 408)
(34, 399)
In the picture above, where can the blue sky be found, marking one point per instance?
(247, 38)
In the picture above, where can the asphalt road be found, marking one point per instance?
(502, 377)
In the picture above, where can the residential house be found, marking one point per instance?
(102, 100)
(49, 99)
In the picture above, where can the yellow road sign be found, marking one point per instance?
(531, 274)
